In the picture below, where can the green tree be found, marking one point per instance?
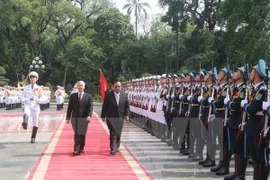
(137, 7)
(246, 25)
(112, 30)
(3, 80)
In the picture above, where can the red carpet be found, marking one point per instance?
(96, 163)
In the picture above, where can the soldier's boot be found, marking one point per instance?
(263, 172)
(242, 166)
(236, 168)
(7, 107)
(25, 121)
(202, 162)
(34, 133)
(226, 162)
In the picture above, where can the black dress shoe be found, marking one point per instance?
(231, 177)
(33, 140)
(182, 149)
(217, 168)
(240, 177)
(223, 171)
(82, 151)
(209, 163)
(76, 153)
(112, 153)
(202, 162)
(186, 152)
(24, 125)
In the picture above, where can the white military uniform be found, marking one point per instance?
(32, 98)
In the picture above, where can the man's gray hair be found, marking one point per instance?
(80, 83)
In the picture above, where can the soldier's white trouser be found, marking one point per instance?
(32, 109)
(161, 117)
(59, 99)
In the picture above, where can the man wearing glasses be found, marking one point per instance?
(115, 109)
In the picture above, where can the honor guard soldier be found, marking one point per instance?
(2, 97)
(193, 112)
(59, 98)
(218, 104)
(171, 96)
(33, 96)
(185, 112)
(207, 110)
(161, 107)
(197, 109)
(255, 121)
(7, 96)
(235, 142)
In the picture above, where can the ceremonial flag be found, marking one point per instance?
(103, 85)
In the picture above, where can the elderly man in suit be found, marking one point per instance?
(79, 111)
(115, 109)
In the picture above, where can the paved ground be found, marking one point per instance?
(18, 156)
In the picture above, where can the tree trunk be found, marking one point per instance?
(65, 76)
(136, 22)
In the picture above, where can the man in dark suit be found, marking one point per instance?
(79, 111)
(115, 108)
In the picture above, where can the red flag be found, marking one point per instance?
(103, 85)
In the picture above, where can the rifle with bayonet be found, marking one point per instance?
(263, 142)
(240, 133)
(212, 95)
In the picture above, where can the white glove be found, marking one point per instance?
(212, 117)
(243, 102)
(181, 96)
(172, 96)
(167, 96)
(265, 105)
(187, 114)
(188, 98)
(266, 131)
(239, 126)
(226, 100)
(200, 98)
(210, 99)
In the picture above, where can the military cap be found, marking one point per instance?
(261, 68)
(33, 73)
(163, 75)
(183, 75)
(203, 72)
(192, 74)
(227, 71)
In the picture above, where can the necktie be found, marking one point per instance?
(32, 86)
(80, 98)
(117, 99)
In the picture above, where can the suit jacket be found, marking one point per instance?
(110, 109)
(76, 110)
